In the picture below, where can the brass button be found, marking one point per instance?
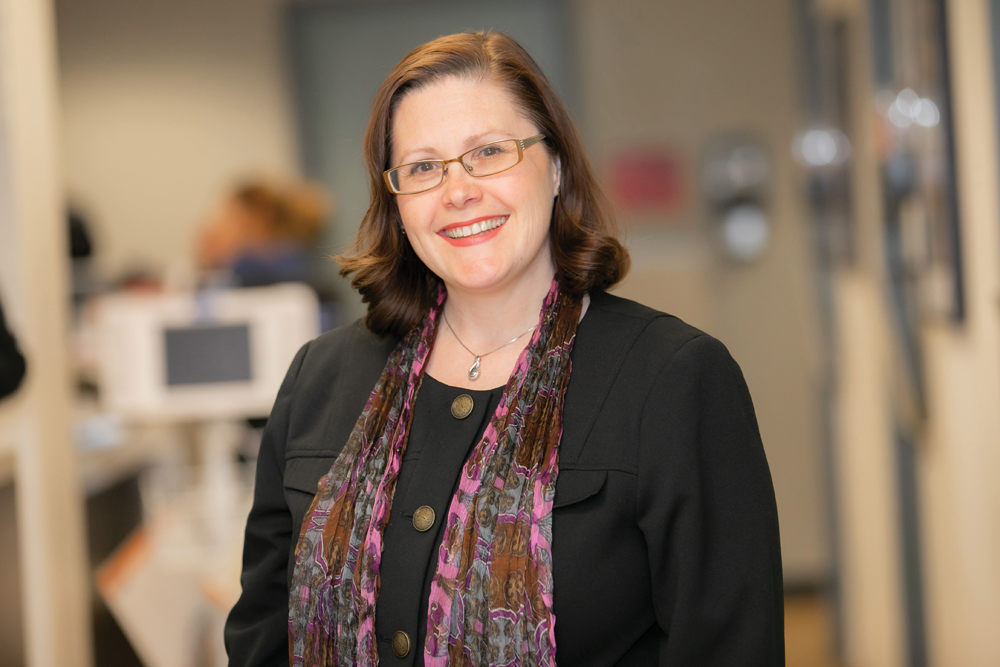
(401, 644)
(423, 518)
(461, 407)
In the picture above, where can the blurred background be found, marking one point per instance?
(814, 182)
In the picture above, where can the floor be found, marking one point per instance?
(808, 632)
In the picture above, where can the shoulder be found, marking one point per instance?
(350, 339)
(343, 362)
(654, 338)
(350, 348)
(627, 359)
(670, 363)
(327, 387)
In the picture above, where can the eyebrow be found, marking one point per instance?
(469, 141)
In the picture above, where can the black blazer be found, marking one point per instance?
(665, 533)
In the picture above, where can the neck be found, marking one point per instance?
(484, 320)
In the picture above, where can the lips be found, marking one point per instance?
(476, 228)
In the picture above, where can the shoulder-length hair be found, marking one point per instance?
(391, 279)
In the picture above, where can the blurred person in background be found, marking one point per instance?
(12, 365)
(543, 472)
(85, 282)
(264, 232)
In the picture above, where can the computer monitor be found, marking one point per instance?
(217, 354)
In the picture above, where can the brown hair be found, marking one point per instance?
(293, 211)
(391, 279)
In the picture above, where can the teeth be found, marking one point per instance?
(476, 227)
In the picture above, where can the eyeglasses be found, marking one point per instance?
(492, 158)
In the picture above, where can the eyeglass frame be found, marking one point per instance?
(522, 145)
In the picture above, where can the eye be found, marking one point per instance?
(488, 151)
(423, 168)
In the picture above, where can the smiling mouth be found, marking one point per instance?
(481, 227)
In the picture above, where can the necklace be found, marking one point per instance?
(474, 370)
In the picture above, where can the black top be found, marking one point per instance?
(436, 450)
(665, 536)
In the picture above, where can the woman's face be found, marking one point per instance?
(442, 121)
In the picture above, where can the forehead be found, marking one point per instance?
(446, 114)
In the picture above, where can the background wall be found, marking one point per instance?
(163, 104)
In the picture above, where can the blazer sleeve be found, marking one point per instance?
(256, 631)
(705, 504)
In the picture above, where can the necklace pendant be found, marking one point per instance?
(474, 371)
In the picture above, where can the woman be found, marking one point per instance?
(504, 464)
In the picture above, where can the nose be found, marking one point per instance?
(460, 188)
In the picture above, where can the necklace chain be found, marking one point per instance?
(474, 370)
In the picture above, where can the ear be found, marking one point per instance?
(556, 175)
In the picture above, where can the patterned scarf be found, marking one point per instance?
(491, 597)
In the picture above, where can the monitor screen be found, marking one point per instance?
(203, 354)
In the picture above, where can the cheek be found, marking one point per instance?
(411, 211)
(539, 203)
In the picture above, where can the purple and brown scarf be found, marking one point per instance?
(491, 597)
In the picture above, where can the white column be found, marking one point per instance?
(960, 467)
(870, 558)
(34, 270)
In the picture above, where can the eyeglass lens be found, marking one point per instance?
(482, 161)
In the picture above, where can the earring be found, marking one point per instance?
(402, 230)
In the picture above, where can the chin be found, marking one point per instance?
(477, 279)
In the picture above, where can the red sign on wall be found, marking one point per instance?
(648, 181)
